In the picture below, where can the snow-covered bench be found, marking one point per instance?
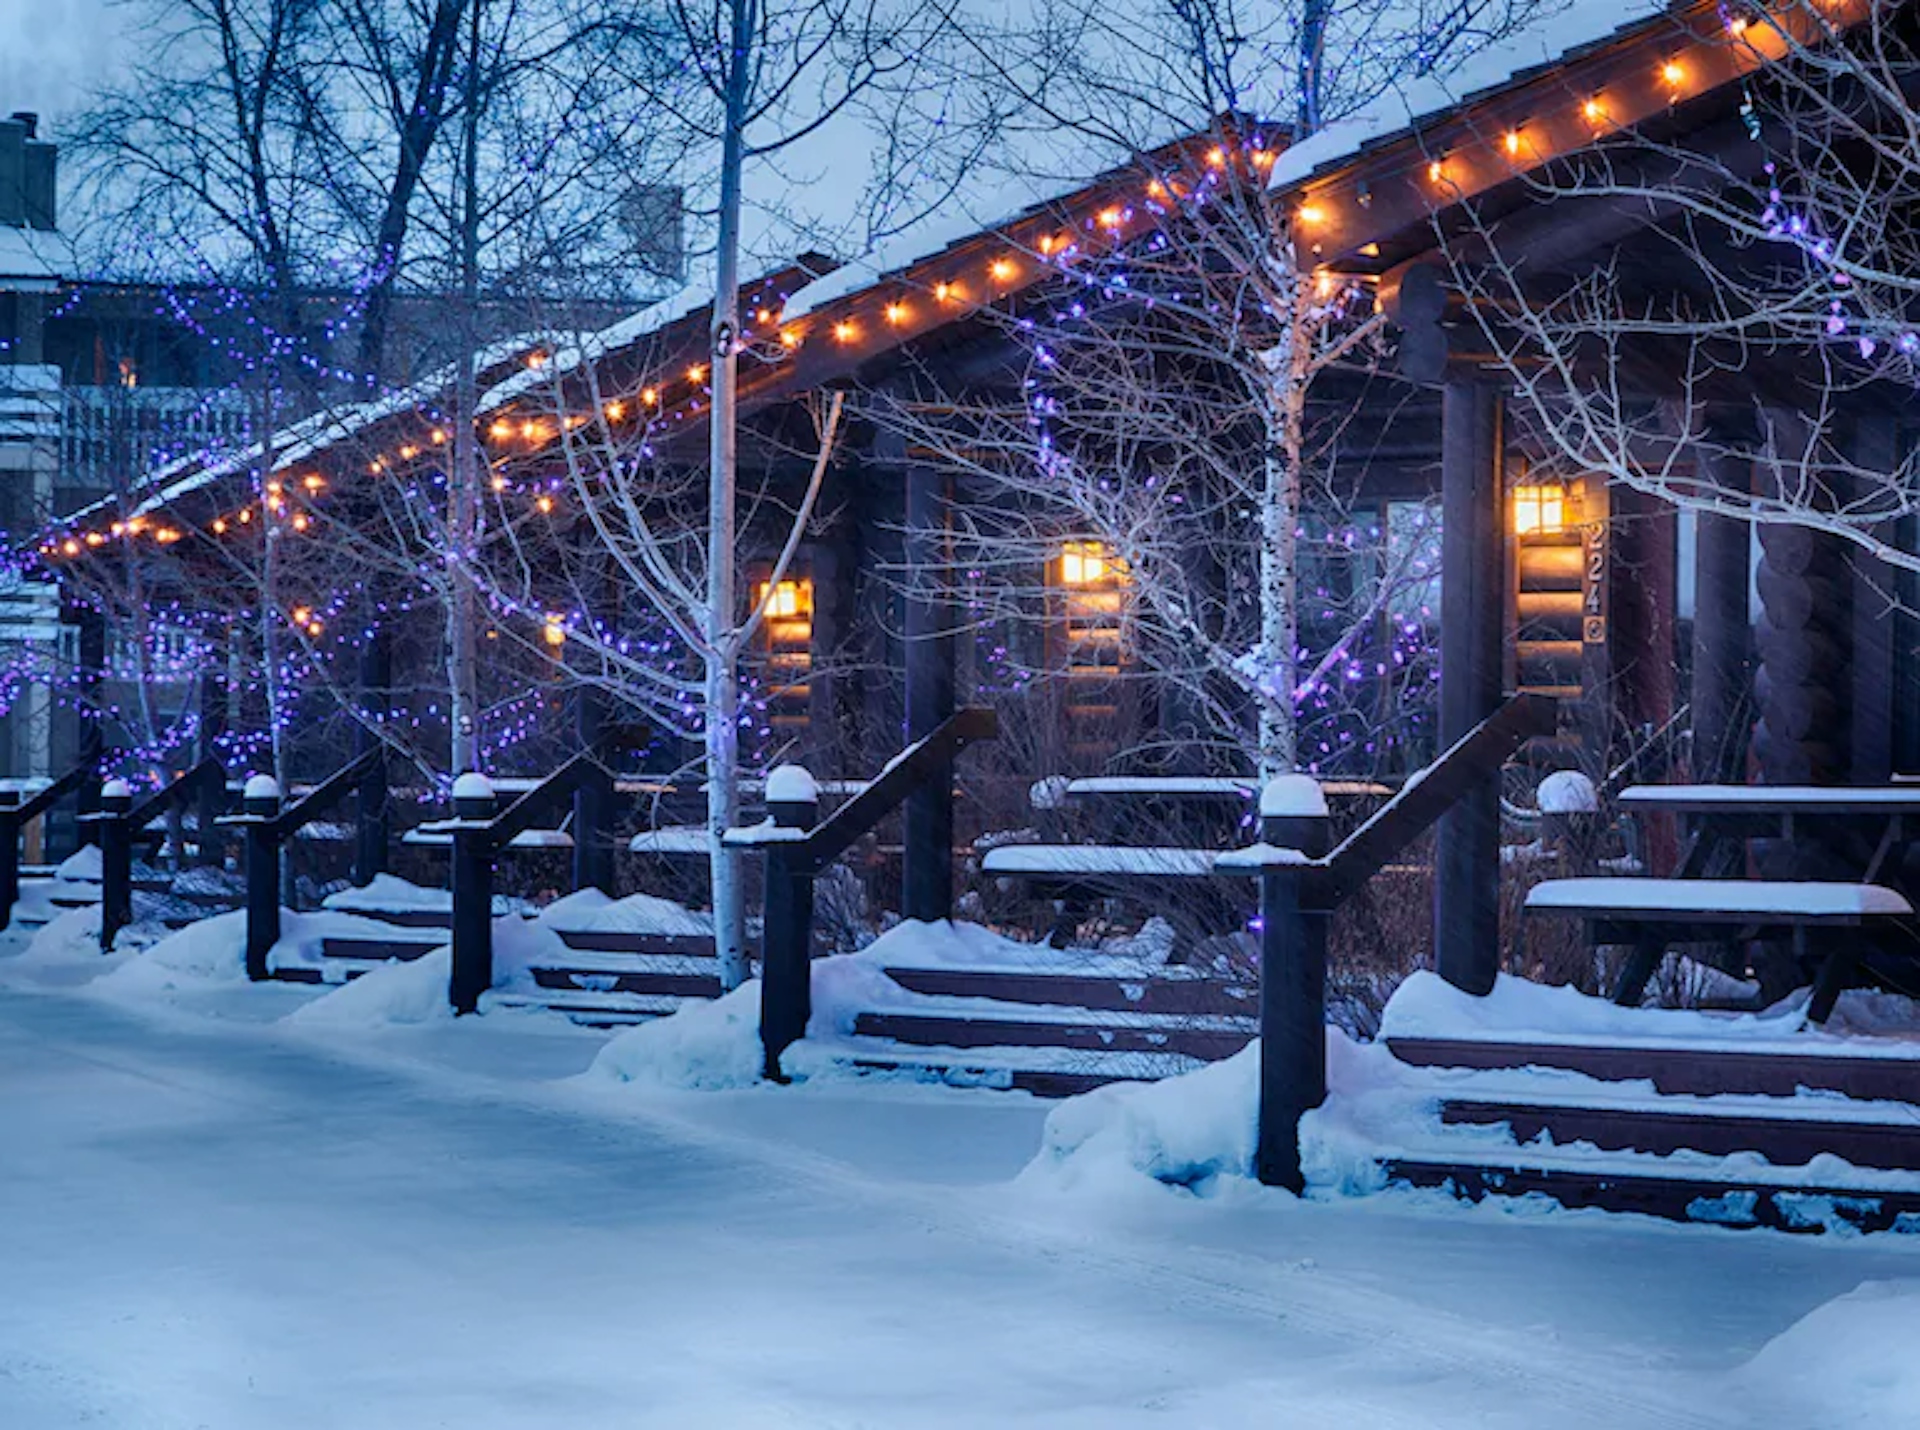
(1650, 914)
(1097, 861)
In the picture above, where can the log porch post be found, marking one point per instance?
(1722, 628)
(373, 821)
(927, 873)
(1473, 541)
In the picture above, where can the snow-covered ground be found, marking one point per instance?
(213, 1214)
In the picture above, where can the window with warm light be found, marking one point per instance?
(1539, 509)
(787, 637)
(1088, 563)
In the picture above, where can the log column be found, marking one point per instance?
(593, 797)
(1806, 612)
(374, 822)
(1876, 625)
(927, 628)
(1473, 540)
(213, 728)
(92, 691)
(1722, 628)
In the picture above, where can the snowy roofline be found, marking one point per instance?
(1550, 41)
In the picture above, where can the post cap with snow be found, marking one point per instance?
(473, 796)
(1293, 797)
(792, 795)
(262, 787)
(1049, 793)
(116, 791)
(1567, 792)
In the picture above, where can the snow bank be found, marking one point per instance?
(715, 1045)
(704, 1046)
(389, 894)
(394, 993)
(1196, 1131)
(1426, 1006)
(1188, 1131)
(590, 911)
(1846, 1363)
(70, 936)
(82, 866)
(211, 951)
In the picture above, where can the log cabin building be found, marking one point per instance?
(1786, 652)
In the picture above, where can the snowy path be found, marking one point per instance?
(214, 1225)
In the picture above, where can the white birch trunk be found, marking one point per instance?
(722, 654)
(1279, 545)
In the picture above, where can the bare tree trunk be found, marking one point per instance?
(464, 480)
(723, 654)
(1286, 417)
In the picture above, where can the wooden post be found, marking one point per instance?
(9, 854)
(927, 886)
(116, 860)
(1722, 630)
(1870, 664)
(262, 805)
(473, 851)
(1293, 982)
(213, 726)
(786, 945)
(1473, 536)
(92, 675)
(373, 830)
(593, 863)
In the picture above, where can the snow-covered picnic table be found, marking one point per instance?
(1096, 861)
(1862, 824)
(1198, 787)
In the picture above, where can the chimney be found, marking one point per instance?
(27, 120)
(13, 173)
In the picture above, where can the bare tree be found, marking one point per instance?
(1175, 409)
(1793, 244)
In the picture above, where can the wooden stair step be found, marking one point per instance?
(1734, 1203)
(946, 1030)
(1672, 1068)
(600, 981)
(1782, 1140)
(626, 941)
(1084, 990)
(376, 949)
(1040, 1082)
(595, 1010)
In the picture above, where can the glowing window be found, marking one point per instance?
(1539, 510)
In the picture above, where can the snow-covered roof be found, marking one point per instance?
(37, 255)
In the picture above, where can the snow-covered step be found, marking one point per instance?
(1011, 1025)
(617, 940)
(1042, 1071)
(1148, 993)
(1722, 1197)
(592, 1010)
(1791, 1133)
(362, 949)
(1874, 1070)
(641, 976)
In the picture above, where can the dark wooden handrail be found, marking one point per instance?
(45, 799)
(1475, 756)
(323, 796)
(928, 756)
(520, 814)
(144, 813)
